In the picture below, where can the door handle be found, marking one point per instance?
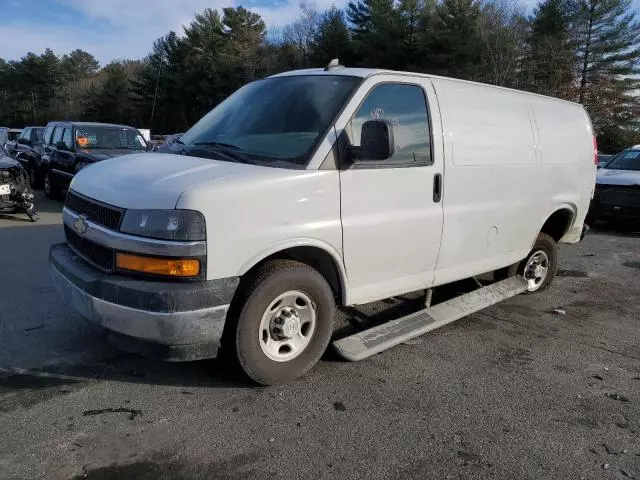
(437, 188)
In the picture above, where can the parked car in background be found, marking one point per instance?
(71, 146)
(169, 141)
(28, 149)
(8, 135)
(617, 193)
(338, 185)
(15, 193)
(156, 141)
(603, 159)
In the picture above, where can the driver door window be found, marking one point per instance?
(66, 138)
(57, 137)
(405, 108)
(25, 134)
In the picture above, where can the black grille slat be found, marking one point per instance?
(101, 257)
(99, 213)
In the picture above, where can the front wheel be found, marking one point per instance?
(285, 322)
(51, 190)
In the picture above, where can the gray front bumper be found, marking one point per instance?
(172, 321)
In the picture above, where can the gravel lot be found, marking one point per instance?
(516, 391)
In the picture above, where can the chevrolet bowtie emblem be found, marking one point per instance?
(80, 225)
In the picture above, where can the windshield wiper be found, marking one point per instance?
(229, 150)
(218, 144)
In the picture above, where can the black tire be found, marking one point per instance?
(51, 190)
(33, 180)
(255, 296)
(544, 243)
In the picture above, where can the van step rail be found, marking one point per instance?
(382, 337)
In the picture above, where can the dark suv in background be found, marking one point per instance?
(71, 146)
(28, 149)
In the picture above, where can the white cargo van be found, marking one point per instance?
(321, 188)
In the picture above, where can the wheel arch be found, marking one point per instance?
(558, 222)
(316, 254)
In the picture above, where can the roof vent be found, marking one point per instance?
(333, 64)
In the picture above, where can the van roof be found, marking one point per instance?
(369, 72)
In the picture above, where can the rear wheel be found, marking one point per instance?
(285, 322)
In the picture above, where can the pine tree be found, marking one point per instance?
(376, 27)
(551, 53)
(332, 40)
(608, 43)
(607, 37)
(455, 45)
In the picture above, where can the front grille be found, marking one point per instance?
(620, 197)
(101, 257)
(105, 215)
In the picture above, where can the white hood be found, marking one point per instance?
(152, 180)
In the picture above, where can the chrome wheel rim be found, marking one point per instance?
(536, 270)
(287, 326)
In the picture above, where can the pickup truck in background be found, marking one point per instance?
(337, 187)
(72, 146)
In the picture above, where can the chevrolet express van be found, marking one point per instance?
(318, 189)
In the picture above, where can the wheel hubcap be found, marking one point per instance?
(287, 326)
(536, 270)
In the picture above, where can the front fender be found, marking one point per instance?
(303, 242)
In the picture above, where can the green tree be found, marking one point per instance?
(332, 40)
(109, 99)
(455, 45)
(607, 37)
(376, 28)
(551, 60)
(608, 43)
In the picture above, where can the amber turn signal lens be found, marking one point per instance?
(172, 267)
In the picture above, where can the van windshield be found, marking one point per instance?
(629, 160)
(276, 121)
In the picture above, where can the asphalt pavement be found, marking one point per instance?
(540, 387)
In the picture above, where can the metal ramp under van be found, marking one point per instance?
(382, 337)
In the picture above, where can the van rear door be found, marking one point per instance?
(392, 209)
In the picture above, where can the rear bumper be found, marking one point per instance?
(174, 321)
(604, 212)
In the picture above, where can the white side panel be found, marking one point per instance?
(492, 190)
(567, 154)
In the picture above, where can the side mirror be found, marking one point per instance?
(376, 141)
(23, 141)
(62, 146)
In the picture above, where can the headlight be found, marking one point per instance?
(185, 225)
